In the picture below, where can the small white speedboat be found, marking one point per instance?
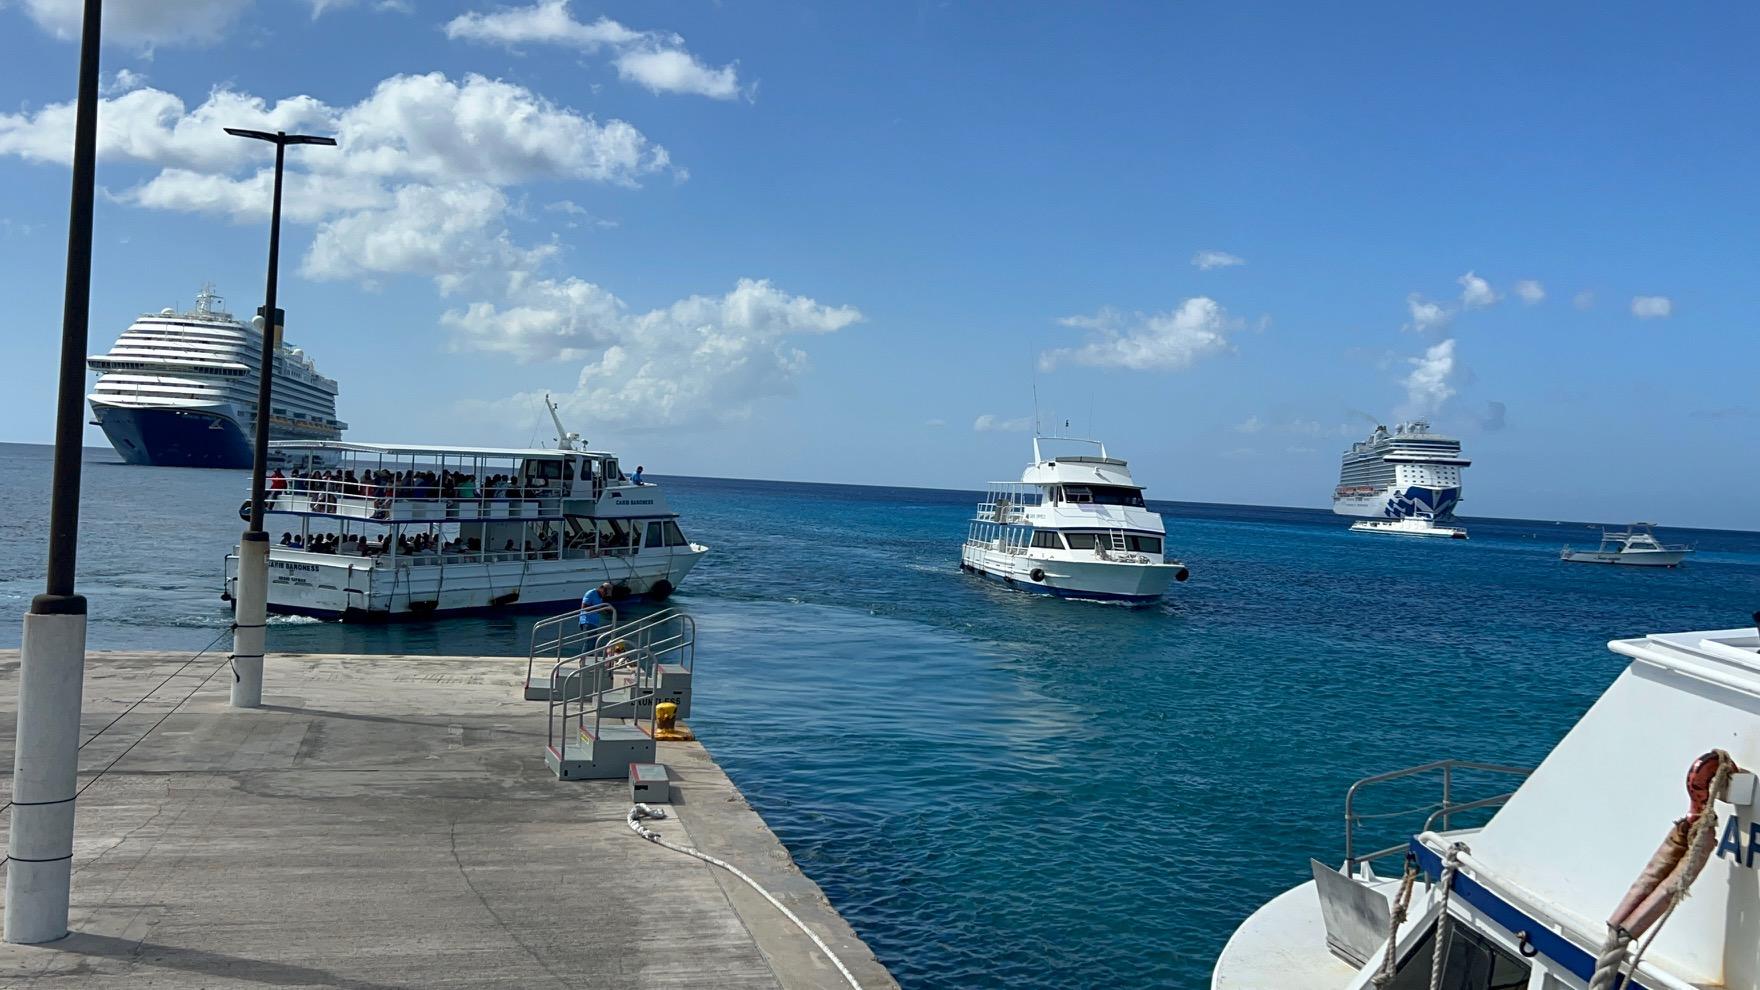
(1564, 887)
(1635, 547)
(1409, 526)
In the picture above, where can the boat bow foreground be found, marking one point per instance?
(1543, 895)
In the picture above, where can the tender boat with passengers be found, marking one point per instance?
(1565, 886)
(1074, 526)
(367, 532)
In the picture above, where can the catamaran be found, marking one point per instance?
(1074, 526)
(386, 531)
(1565, 886)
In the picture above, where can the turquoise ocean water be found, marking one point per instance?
(999, 789)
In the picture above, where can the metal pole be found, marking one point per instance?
(251, 617)
(52, 657)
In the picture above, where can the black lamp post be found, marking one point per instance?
(52, 657)
(253, 551)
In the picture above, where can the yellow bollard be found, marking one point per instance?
(666, 727)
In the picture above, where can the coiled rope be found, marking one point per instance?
(641, 811)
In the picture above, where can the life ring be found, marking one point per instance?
(1038, 574)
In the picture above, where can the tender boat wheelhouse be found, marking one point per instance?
(1074, 526)
(393, 531)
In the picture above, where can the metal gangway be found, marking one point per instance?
(562, 637)
(602, 699)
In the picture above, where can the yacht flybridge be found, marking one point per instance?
(1074, 526)
(1565, 886)
(366, 532)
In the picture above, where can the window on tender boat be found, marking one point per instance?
(1082, 541)
(1144, 544)
(1473, 962)
(1047, 539)
(674, 538)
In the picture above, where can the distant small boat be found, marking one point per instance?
(1409, 526)
(1635, 547)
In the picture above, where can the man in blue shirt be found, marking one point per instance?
(637, 477)
(597, 596)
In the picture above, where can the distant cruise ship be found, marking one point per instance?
(180, 390)
(1407, 473)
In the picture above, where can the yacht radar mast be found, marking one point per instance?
(564, 439)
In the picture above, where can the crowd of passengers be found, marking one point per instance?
(386, 484)
(407, 546)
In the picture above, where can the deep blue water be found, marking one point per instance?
(999, 789)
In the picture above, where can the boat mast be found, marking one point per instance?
(564, 439)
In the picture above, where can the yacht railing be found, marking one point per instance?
(380, 503)
(1443, 809)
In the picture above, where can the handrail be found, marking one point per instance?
(1442, 809)
(563, 635)
(641, 651)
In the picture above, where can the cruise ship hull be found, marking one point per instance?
(175, 436)
(1395, 502)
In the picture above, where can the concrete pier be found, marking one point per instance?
(389, 822)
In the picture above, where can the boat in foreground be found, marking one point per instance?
(1409, 526)
(1637, 546)
(1542, 895)
(394, 531)
(1074, 526)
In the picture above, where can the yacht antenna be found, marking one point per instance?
(1035, 401)
(564, 439)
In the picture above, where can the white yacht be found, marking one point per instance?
(180, 389)
(383, 531)
(1074, 526)
(1400, 473)
(1637, 546)
(1564, 886)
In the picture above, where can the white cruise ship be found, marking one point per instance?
(1404, 473)
(180, 390)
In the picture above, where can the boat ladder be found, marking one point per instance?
(1118, 542)
(602, 700)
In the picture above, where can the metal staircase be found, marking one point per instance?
(562, 637)
(601, 699)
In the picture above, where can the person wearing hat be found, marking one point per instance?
(596, 597)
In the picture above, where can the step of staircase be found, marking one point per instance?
(605, 757)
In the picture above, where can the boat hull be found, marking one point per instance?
(357, 589)
(1395, 502)
(1628, 558)
(1098, 580)
(175, 436)
(1411, 526)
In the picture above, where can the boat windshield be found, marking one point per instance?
(1102, 495)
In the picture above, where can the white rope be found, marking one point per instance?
(641, 811)
(1450, 863)
(1395, 918)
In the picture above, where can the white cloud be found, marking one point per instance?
(1168, 341)
(671, 70)
(653, 59)
(1584, 299)
(1210, 260)
(322, 7)
(699, 360)
(935, 424)
(1250, 425)
(1652, 307)
(447, 232)
(1430, 382)
(992, 423)
(1426, 315)
(123, 81)
(1530, 291)
(1476, 293)
(145, 22)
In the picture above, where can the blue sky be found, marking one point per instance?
(828, 242)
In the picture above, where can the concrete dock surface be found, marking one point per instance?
(389, 822)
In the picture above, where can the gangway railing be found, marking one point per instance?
(565, 636)
(584, 686)
(1442, 809)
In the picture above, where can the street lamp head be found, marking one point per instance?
(280, 137)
